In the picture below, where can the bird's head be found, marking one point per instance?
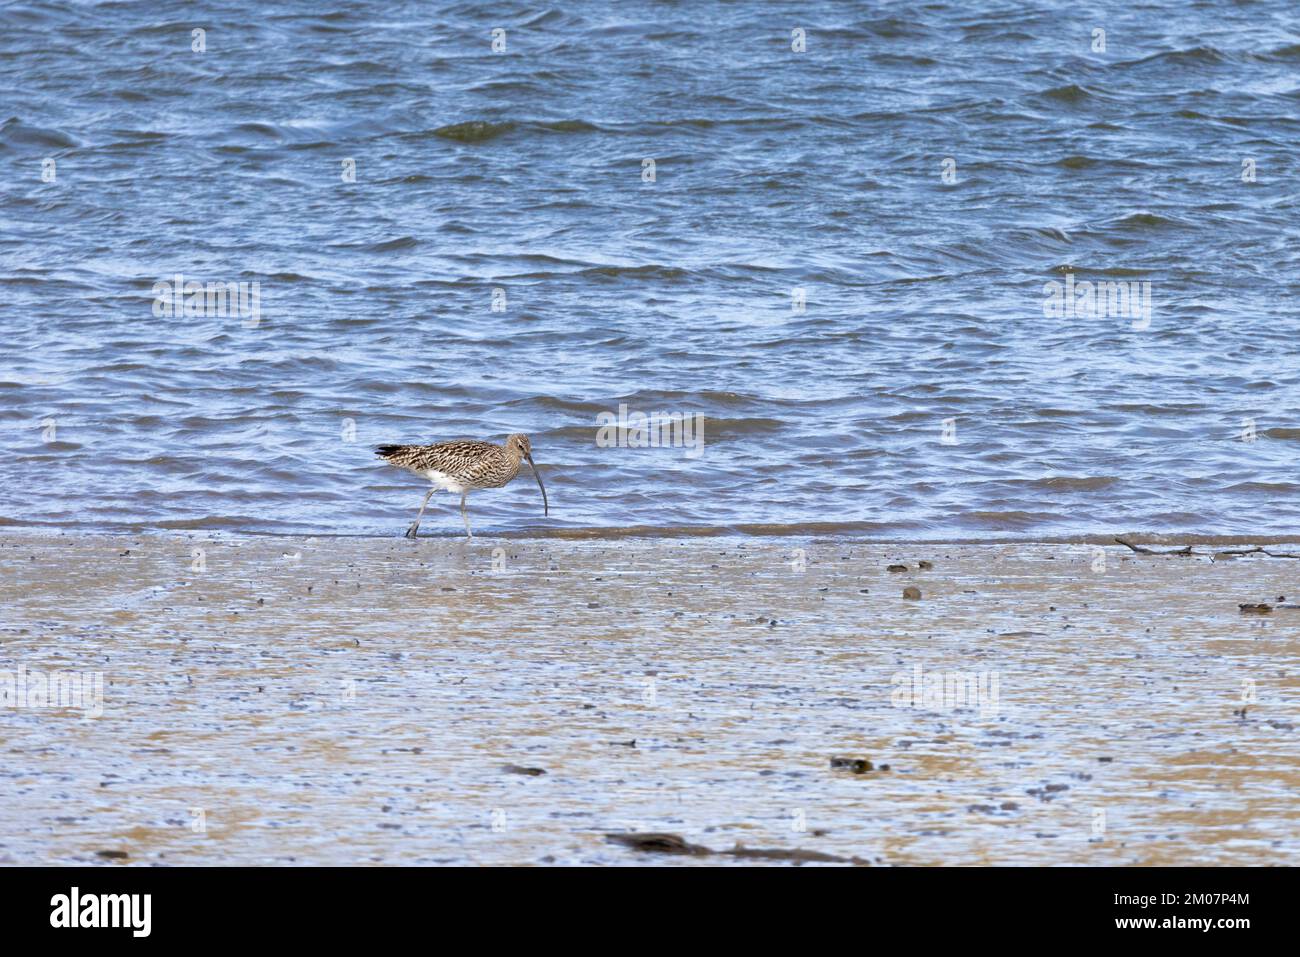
(518, 444)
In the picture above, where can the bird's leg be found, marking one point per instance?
(464, 514)
(410, 532)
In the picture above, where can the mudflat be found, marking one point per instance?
(172, 699)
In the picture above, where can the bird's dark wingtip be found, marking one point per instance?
(384, 451)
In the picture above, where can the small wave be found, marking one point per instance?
(1101, 272)
(479, 131)
(14, 132)
(474, 131)
(226, 522)
(743, 426)
(1265, 488)
(904, 59)
(1002, 521)
(49, 451)
(1194, 56)
(386, 246)
(662, 397)
(1072, 93)
(1279, 432)
(1145, 222)
(545, 17)
(392, 245)
(1072, 483)
(568, 126)
(646, 271)
(259, 130)
(895, 28)
(1287, 54)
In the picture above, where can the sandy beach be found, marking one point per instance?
(514, 701)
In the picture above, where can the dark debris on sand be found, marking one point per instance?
(653, 842)
(520, 769)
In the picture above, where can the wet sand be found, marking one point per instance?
(359, 701)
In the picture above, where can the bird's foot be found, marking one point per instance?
(410, 532)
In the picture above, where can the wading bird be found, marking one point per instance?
(462, 467)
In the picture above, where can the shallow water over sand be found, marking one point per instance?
(332, 702)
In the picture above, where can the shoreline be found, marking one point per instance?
(828, 532)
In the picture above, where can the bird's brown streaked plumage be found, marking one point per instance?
(463, 466)
(474, 464)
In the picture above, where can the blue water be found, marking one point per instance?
(775, 171)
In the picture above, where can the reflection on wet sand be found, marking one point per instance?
(326, 701)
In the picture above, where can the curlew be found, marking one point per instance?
(462, 467)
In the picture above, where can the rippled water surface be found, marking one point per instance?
(777, 174)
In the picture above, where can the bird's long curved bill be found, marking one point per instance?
(546, 507)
